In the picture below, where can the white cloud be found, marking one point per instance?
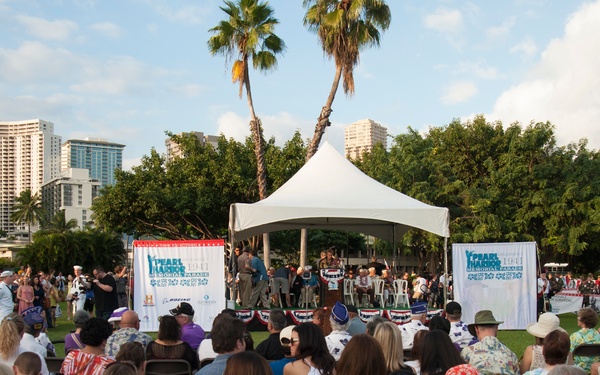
(501, 30)
(189, 90)
(122, 75)
(50, 30)
(478, 69)
(189, 14)
(444, 20)
(527, 46)
(34, 62)
(108, 29)
(458, 92)
(564, 86)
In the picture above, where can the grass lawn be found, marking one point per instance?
(515, 340)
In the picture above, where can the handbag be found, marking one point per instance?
(46, 303)
(58, 311)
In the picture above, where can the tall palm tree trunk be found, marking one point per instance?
(323, 120)
(322, 123)
(259, 153)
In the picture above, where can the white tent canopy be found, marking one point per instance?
(329, 192)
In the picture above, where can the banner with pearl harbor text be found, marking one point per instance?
(500, 277)
(167, 273)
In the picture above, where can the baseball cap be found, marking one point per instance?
(453, 308)
(183, 308)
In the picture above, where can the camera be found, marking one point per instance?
(306, 274)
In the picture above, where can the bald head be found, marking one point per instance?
(130, 319)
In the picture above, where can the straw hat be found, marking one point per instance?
(546, 323)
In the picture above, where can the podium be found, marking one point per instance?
(332, 280)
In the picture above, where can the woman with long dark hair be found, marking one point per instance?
(308, 346)
(169, 345)
(438, 354)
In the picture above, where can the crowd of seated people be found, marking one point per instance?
(442, 345)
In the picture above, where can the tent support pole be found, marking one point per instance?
(303, 241)
(445, 271)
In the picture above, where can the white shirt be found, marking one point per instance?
(11, 361)
(336, 342)
(408, 332)
(205, 350)
(6, 301)
(30, 344)
(459, 334)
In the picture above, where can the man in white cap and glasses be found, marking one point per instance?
(80, 285)
(489, 355)
(6, 301)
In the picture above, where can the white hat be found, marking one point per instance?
(546, 323)
(77, 268)
(286, 335)
(6, 274)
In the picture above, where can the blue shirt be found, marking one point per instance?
(277, 366)
(217, 367)
(261, 271)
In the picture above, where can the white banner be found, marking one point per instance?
(500, 277)
(167, 273)
(564, 302)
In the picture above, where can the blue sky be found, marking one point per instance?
(129, 70)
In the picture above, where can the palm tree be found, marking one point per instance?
(27, 209)
(248, 35)
(59, 224)
(344, 27)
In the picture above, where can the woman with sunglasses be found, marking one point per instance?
(310, 349)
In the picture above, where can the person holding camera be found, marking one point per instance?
(78, 289)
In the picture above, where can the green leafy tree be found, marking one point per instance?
(248, 35)
(189, 197)
(61, 251)
(58, 224)
(27, 209)
(501, 184)
(344, 28)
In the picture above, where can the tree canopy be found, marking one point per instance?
(500, 184)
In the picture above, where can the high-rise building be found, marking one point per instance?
(98, 156)
(174, 151)
(29, 156)
(362, 136)
(73, 192)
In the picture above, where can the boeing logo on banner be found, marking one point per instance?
(479, 262)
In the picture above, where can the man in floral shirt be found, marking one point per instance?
(489, 355)
(128, 332)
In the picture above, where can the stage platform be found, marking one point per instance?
(256, 320)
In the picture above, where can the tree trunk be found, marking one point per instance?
(259, 152)
(323, 120)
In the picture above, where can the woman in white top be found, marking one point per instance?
(532, 356)
(308, 346)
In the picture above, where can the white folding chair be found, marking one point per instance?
(378, 286)
(349, 291)
(400, 295)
